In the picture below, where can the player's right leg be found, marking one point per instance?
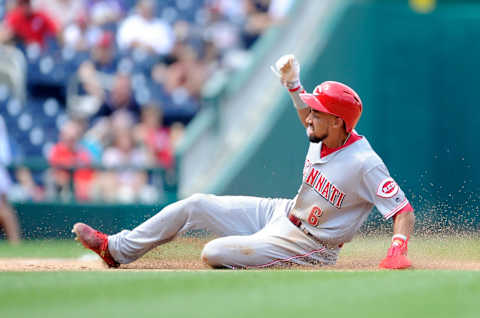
(220, 215)
(279, 243)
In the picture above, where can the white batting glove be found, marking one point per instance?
(288, 70)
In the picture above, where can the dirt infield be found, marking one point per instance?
(363, 254)
(346, 264)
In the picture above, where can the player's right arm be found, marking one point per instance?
(382, 190)
(287, 69)
(302, 112)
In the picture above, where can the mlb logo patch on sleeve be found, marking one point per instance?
(387, 188)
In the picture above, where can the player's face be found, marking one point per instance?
(317, 125)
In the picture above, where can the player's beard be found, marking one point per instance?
(316, 139)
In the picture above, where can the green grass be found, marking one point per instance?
(240, 294)
(266, 293)
(42, 249)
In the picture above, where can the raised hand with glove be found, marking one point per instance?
(287, 69)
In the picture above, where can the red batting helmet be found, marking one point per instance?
(337, 99)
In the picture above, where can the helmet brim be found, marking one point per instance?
(313, 102)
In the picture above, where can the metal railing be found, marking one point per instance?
(164, 180)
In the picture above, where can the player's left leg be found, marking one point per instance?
(280, 243)
(219, 215)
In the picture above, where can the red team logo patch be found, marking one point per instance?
(387, 188)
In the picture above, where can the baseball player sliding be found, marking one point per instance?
(343, 179)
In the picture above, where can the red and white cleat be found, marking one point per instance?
(396, 262)
(96, 241)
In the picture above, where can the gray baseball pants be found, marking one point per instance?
(253, 233)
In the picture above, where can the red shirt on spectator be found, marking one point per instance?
(31, 26)
(63, 156)
(158, 140)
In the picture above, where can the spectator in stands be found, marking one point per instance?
(257, 20)
(102, 134)
(28, 25)
(94, 141)
(108, 100)
(63, 12)
(81, 35)
(102, 59)
(64, 156)
(25, 189)
(103, 12)
(261, 14)
(220, 29)
(94, 30)
(125, 182)
(154, 137)
(103, 53)
(187, 72)
(8, 218)
(144, 31)
(210, 56)
(119, 98)
(232, 10)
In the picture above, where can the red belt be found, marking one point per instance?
(298, 223)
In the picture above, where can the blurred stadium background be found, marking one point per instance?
(115, 108)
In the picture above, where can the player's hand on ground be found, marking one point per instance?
(287, 69)
(397, 255)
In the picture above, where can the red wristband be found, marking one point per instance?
(291, 90)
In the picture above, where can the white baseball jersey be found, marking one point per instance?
(340, 189)
(337, 193)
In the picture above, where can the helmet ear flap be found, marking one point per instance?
(340, 122)
(343, 124)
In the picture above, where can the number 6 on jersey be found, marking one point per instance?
(315, 214)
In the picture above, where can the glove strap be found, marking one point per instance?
(399, 240)
(293, 86)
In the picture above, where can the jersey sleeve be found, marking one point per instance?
(382, 191)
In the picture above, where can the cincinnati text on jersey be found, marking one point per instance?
(325, 188)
